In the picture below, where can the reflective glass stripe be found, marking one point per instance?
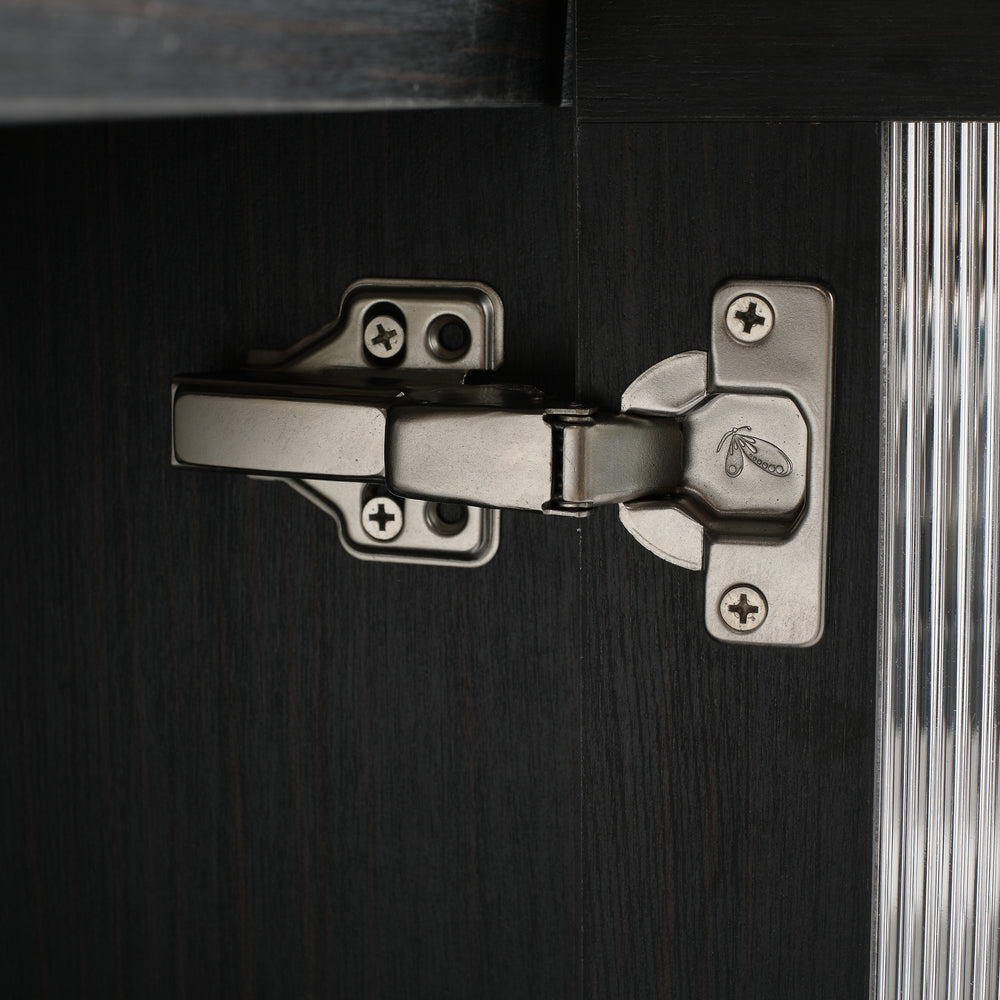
(936, 886)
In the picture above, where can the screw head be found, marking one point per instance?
(384, 337)
(743, 608)
(382, 518)
(749, 318)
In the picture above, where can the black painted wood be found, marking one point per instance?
(235, 761)
(732, 59)
(727, 791)
(70, 58)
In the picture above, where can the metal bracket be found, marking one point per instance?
(715, 460)
(314, 416)
(752, 507)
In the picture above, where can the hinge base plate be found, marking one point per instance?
(420, 314)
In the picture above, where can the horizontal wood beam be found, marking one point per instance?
(703, 60)
(105, 58)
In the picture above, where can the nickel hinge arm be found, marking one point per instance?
(558, 460)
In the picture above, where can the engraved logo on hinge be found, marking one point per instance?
(766, 456)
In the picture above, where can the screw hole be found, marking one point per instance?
(453, 337)
(446, 518)
(449, 338)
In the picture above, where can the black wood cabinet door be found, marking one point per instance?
(237, 761)
(726, 791)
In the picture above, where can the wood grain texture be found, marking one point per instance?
(234, 760)
(727, 791)
(71, 58)
(732, 59)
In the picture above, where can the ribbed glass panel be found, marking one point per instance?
(936, 913)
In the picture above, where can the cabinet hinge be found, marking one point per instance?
(717, 460)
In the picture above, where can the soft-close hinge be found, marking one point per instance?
(717, 459)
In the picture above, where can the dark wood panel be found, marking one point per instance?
(235, 761)
(727, 790)
(66, 58)
(732, 59)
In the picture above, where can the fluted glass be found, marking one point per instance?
(936, 887)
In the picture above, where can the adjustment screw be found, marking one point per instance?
(384, 337)
(743, 608)
(749, 318)
(382, 518)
